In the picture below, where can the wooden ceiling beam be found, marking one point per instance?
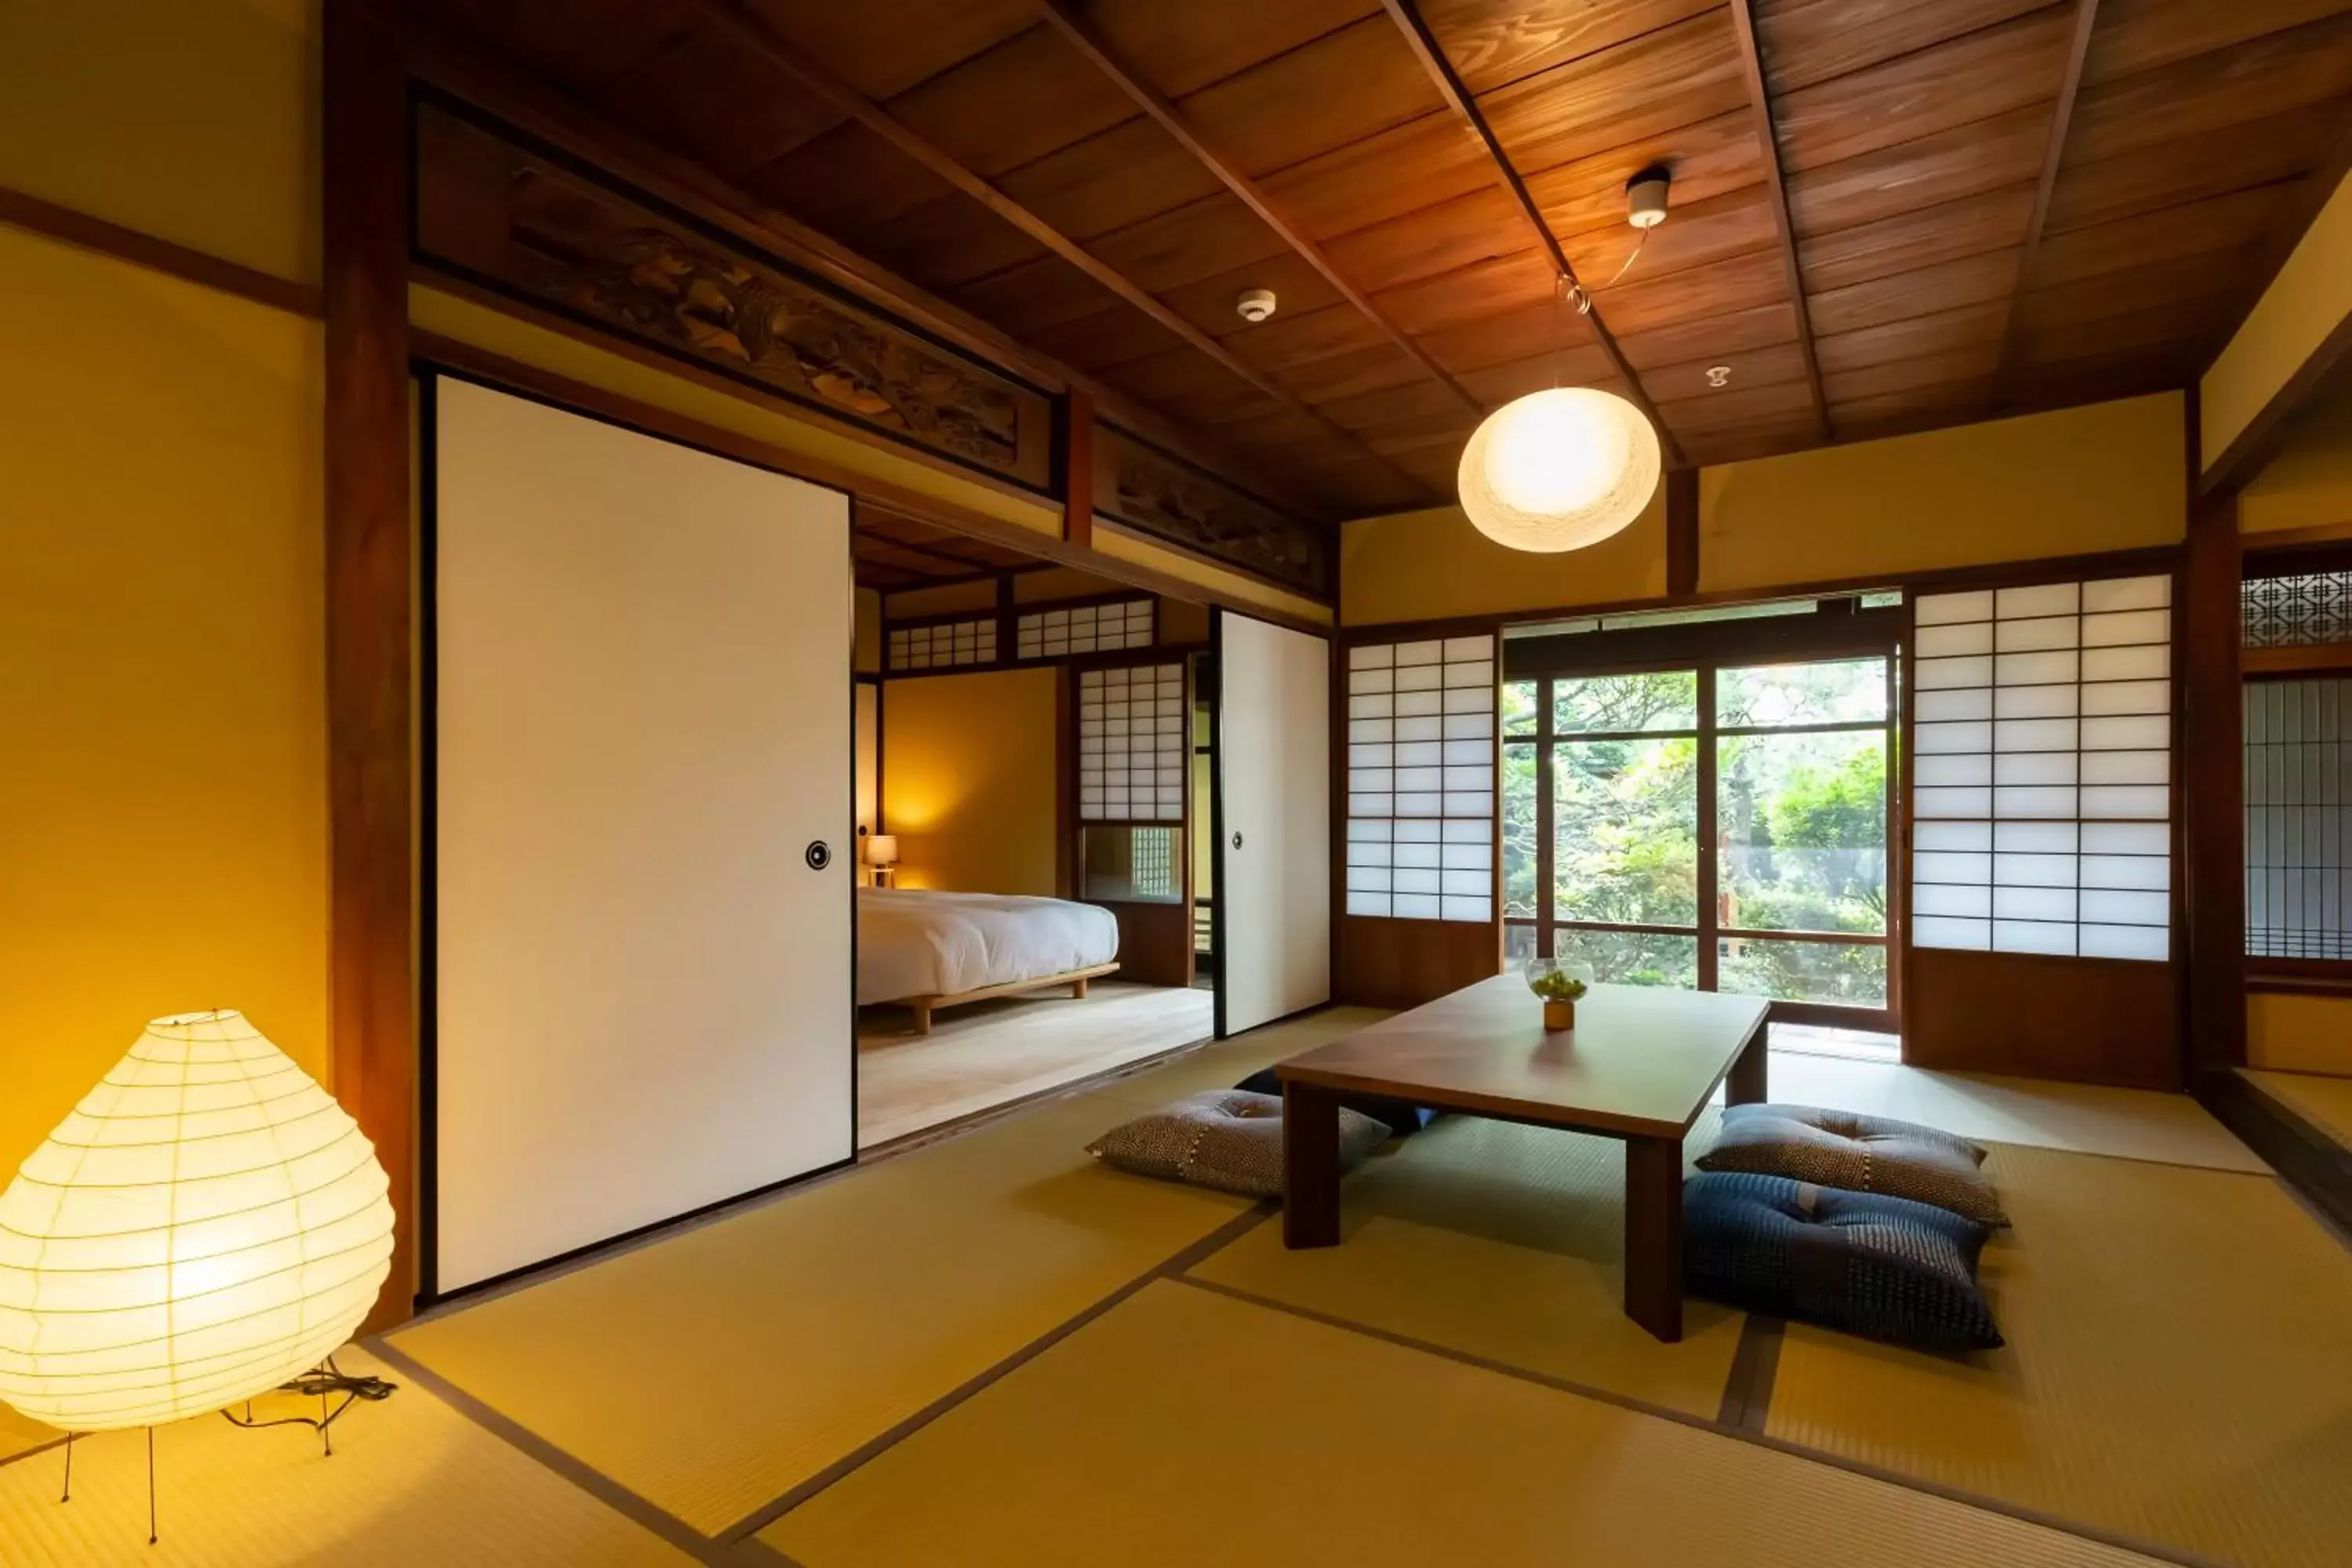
(2062, 115)
(756, 35)
(1458, 97)
(1066, 19)
(963, 565)
(1767, 147)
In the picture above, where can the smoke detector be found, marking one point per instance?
(1256, 305)
(1646, 197)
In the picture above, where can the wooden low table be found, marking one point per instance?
(1639, 1064)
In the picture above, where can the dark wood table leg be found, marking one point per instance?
(1744, 1084)
(1653, 1235)
(1310, 1166)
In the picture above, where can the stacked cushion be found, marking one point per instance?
(1227, 1138)
(1886, 1266)
(1402, 1117)
(1858, 1154)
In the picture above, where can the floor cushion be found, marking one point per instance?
(1226, 1138)
(1402, 1118)
(1859, 1153)
(1885, 1267)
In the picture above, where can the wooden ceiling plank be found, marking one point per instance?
(1425, 47)
(2062, 114)
(1760, 108)
(757, 36)
(1073, 27)
(2288, 222)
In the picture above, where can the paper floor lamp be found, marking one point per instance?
(207, 1226)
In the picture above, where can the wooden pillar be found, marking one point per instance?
(1077, 469)
(1682, 531)
(370, 549)
(2211, 753)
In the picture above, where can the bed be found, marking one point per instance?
(926, 950)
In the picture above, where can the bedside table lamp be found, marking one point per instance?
(882, 854)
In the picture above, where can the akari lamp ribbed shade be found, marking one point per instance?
(1559, 470)
(207, 1224)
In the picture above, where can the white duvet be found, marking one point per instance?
(913, 944)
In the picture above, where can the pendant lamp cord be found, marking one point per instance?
(1582, 294)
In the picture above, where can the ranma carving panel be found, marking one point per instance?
(511, 220)
(1156, 493)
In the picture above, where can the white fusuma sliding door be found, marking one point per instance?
(1274, 827)
(641, 836)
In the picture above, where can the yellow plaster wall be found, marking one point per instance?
(968, 779)
(2291, 1033)
(2308, 300)
(193, 120)
(1434, 565)
(163, 811)
(2309, 483)
(2110, 475)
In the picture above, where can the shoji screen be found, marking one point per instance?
(642, 989)
(1421, 780)
(2041, 770)
(1131, 745)
(1274, 808)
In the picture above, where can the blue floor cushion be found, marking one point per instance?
(1227, 1138)
(1402, 1117)
(1859, 1153)
(1885, 1267)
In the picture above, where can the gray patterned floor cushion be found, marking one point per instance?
(1227, 1138)
(1860, 1153)
(1888, 1268)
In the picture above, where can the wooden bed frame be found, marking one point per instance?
(1075, 979)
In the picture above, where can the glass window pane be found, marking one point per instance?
(1837, 692)
(1658, 700)
(1625, 830)
(1631, 957)
(1518, 945)
(1519, 707)
(1801, 826)
(1132, 864)
(1519, 832)
(1854, 973)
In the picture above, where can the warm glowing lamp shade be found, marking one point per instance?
(1559, 470)
(882, 849)
(206, 1225)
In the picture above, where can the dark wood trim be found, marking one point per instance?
(2210, 796)
(370, 547)
(755, 35)
(2260, 548)
(1067, 19)
(21, 209)
(2260, 556)
(2062, 114)
(2305, 976)
(2268, 430)
(1682, 531)
(485, 366)
(1065, 782)
(1078, 470)
(1774, 639)
(2286, 663)
(1768, 146)
(1459, 99)
(1709, 826)
(2305, 1158)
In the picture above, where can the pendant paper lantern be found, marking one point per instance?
(207, 1225)
(1559, 470)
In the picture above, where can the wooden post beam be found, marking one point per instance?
(1682, 531)
(2086, 17)
(1441, 72)
(1078, 470)
(1767, 147)
(370, 759)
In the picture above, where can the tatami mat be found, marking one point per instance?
(1501, 1242)
(20, 1433)
(713, 1371)
(1184, 1427)
(1228, 1062)
(991, 1052)
(411, 1483)
(2129, 1123)
(2326, 1102)
(2178, 1369)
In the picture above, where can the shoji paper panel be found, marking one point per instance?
(1421, 779)
(2042, 769)
(1083, 628)
(1131, 745)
